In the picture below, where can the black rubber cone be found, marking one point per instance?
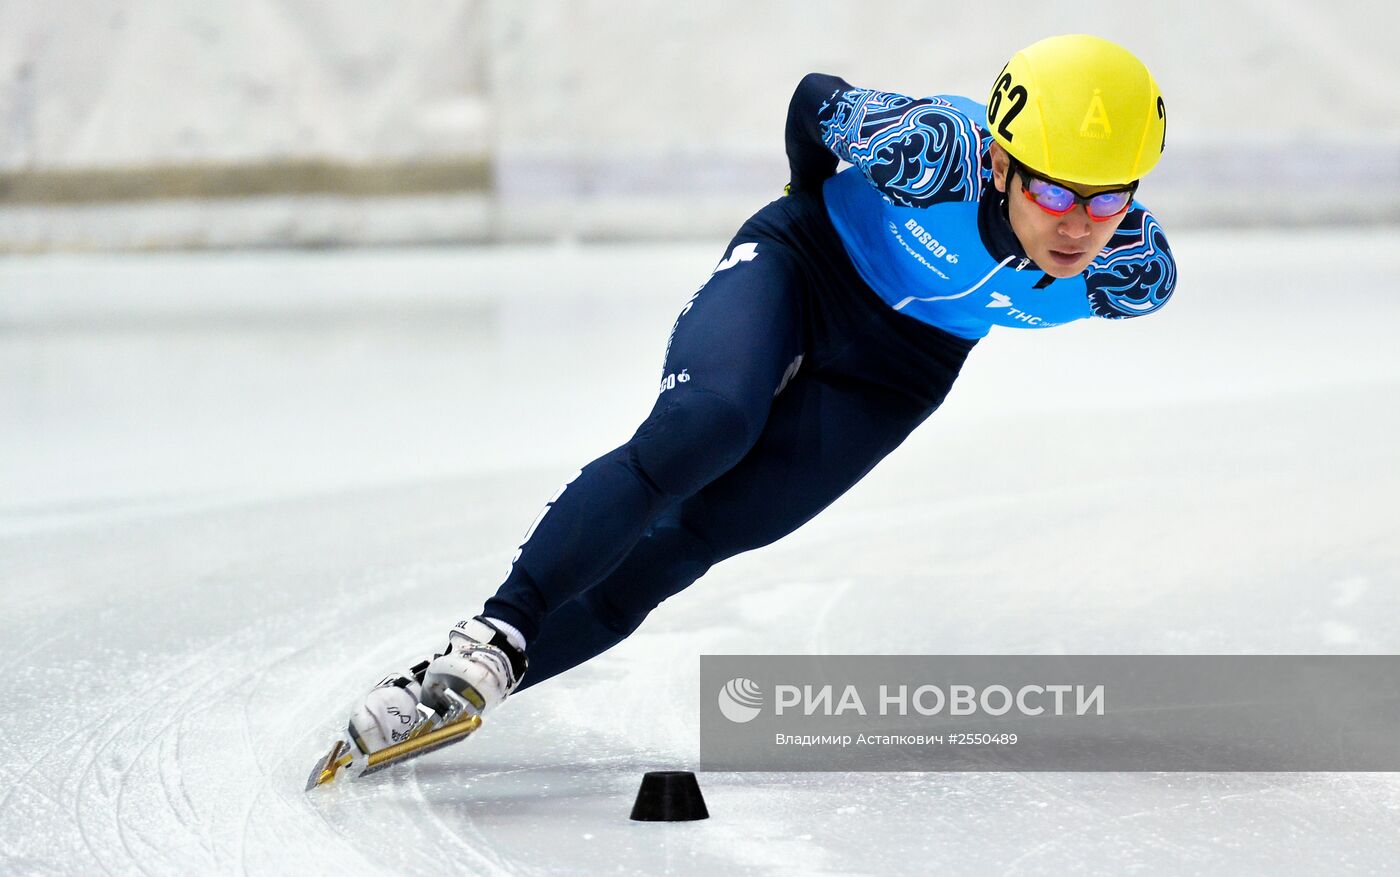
(669, 796)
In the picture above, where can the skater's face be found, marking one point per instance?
(1061, 246)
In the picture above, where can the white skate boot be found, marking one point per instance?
(436, 702)
(390, 712)
(480, 666)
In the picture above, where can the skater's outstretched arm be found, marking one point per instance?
(809, 160)
(916, 151)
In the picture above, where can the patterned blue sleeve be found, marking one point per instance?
(915, 151)
(1135, 274)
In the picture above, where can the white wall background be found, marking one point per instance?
(644, 118)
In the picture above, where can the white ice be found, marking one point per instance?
(237, 489)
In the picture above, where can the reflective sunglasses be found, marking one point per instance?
(1057, 200)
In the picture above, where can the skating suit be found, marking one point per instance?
(835, 322)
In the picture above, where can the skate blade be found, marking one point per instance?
(329, 765)
(341, 760)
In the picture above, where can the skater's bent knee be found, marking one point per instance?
(693, 438)
(618, 620)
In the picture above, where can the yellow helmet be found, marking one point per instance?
(1080, 109)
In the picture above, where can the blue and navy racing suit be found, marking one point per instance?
(835, 323)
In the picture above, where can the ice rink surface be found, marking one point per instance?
(235, 490)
